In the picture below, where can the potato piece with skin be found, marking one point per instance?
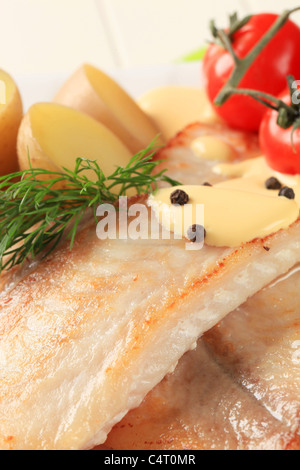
(53, 136)
(91, 91)
(11, 113)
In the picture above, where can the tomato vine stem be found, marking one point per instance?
(288, 115)
(242, 65)
(266, 99)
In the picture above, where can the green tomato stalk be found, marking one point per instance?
(242, 65)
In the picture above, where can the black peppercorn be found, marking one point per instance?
(273, 183)
(287, 192)
(196, 233)
(179, 197)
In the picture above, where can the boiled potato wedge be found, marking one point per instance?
(93, 92)
(11, 113)
(52, 137)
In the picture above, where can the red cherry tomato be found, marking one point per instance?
(268, 72)
(275, 142)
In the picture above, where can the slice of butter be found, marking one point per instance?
(172, 108)
(213, 148)
(230, 217)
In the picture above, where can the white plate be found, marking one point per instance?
(137, 81)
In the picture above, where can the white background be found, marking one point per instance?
(56, 36)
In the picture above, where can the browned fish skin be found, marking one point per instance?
(87, 333)
(239, 390)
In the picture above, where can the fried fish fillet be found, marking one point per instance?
(86, 334)
(238, 390)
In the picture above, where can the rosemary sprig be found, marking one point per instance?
(35, 213)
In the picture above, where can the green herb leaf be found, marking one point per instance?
(35, 213)
(193, 56)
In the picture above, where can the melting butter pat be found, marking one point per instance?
(212, 148)
(251, 175)
(252, 167)
(231, 217)
(172, 108)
